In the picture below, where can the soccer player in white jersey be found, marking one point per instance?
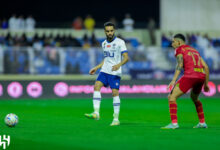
(114, 48)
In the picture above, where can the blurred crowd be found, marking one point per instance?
(58, 40)
(15, 23)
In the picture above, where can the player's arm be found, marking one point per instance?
(179, 67)
(93, 70)
(124, 61)
(206, 68)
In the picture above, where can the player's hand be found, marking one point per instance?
(92, 71)
(115, 67)
(171, 85)
(206, 88)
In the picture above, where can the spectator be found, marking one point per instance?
(30, 23)
(23, 40)
(9, 40)
(86, 43)
(21, 23)
(52, 55)
(70, 41)
(37, 43)
(75, 42)
(94, 41)
(216, 43)
(202, 41)
(211, 53)
(188, 37)
(49, 40)
(4, 24)
(77, 23)
(13, 22)
(59, 40)
(151, 28)
(128, 23)
(89, 23)
(166, 42)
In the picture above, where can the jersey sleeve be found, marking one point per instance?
(123, 48)
(178, 51)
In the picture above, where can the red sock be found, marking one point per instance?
(200, 112)
(173, 111)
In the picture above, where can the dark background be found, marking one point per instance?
(45, 11)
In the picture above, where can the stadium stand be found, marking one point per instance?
(68, 51)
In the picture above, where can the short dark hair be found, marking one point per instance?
(109, 24)
(180, 36)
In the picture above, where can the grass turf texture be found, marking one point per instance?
(60, 124)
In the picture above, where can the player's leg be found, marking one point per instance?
(101, 81)
(181, 87)
(116, 105)
(199, 108)
(114, 82)
(96, 101)
(172, 97)
(97, 96)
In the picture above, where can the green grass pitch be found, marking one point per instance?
(61, 125)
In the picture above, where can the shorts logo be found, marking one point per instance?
(4, 141)
(116, 84)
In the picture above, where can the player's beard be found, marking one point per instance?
(110, 38)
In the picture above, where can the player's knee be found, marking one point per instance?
(193, 97)
(172, 98)
(168, 96)
(97, 87)
(115, 94)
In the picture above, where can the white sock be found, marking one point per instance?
(96, 101)
(116, 104)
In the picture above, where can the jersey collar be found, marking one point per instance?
(181, 46)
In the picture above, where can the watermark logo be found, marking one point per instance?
(4, 141)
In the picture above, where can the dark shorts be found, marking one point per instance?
(109, 80)
(186, 83)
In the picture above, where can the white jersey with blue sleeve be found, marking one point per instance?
(113, 54)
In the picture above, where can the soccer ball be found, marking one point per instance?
(11, 120)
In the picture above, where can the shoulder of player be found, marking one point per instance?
(119, 40)
(178, 49)
(188, 48)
